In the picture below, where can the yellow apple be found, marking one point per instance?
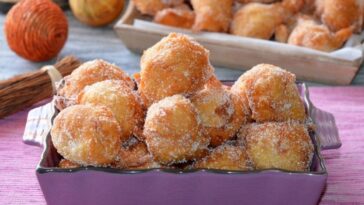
(96, 12)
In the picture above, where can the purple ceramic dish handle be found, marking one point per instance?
(325, 125)
(38, 124)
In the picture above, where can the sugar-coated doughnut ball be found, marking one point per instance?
(281, 145)
(272, 94)
(221, 112)
(175, 65)
(87, 135)
(226, 157)
(135, 155)
(173, 132)
(122, 101)
(87, 74)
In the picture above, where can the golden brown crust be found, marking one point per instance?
(120, 99)
(272, 94)
(221, 113)
(282, 145)
(309, 7)
(281, 33)
(293, 6)
(135, 155)
(151, 7)
(67, 164)
(310, 34)
(339, 14)
(182, 18)
(87, 74)
(86, 135)
(173, 132)
(226, 157)
(257, 20)
(257, 1)
(175, 65)
(212, 15)
(214, 82)
(240, 89)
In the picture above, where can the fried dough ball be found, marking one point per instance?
(173, 132)
(221, 113)
(151, 7)
(87, 74)
(339, 14)
(135, 155)
(257, 1)
(226, 157)
(67, 164)
(87, 135)
(282, 145)
(257, 20)
(182, 18)
(309, 34)
(272, 94)
(120, 99)
(293, 6)
(175, 65)
(212, 15)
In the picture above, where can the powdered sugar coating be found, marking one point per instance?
(173, 132)
(272, 94)
(87, 74)
(221, 113)
(86, 135)
(175, 65)
(122, 101)
(283, 145)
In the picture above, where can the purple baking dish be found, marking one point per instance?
(91, 185)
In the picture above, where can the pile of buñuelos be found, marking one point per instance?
(176, 114)
(318, 24)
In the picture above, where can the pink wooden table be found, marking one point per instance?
(345, 185)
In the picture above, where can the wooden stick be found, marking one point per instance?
(24, 90)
